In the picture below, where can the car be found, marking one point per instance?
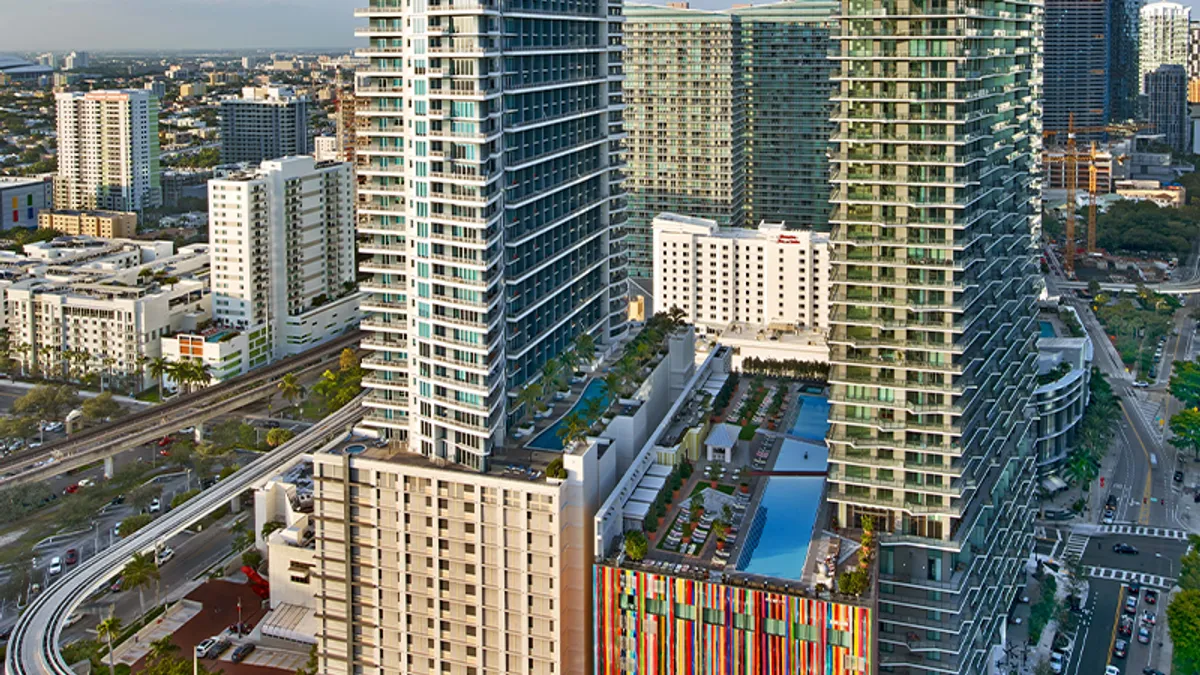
(1125, 549)
(56, 566)
(1135, 588)
(118, 500)
(1120, 649)
(72, 556)
(1109, 517)
(117, 528)
(1056, 662)
(165, 555)
(1151, 671)
(164, 453)
(71, 489)
(187, 430)
(1141, 384)
(1112, 670)
(37, 444)
(1131, 605)
(1149, 618)
(117, 585)
(271, 424)
(166, 440)
(73, 619)
(207, 483)
(1144, 635)
(1111, 502)
(220, 647)
(55, 427)
(1151, 597)
(204, 649)
(1178, 476)
(242, 651)
(86, 482)
(155, 505)
(1125, 626)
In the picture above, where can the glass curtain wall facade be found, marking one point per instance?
(1077, 66)
(491, 186)
(932, 341)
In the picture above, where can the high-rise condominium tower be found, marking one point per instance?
(728, 117)
(265, 123)
(107, 151)
(491, 188)
(1163, 37)
(1123, 31)
(1167, 105)
(932, 326)
(1077, 65)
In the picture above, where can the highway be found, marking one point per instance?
(33, 647)
(144, 426)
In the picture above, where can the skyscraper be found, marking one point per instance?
(728, 116)
(107, 151)
(1167, 105)
(932, 338)
(1124, 82)
(491, 188)
(1162, 37)
(265, 123)
(1077, 65)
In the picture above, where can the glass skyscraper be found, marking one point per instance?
(491, 187)
(932, 339)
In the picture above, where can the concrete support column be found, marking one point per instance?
(235, 504)
(108, 467)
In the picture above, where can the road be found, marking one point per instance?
(33, 648)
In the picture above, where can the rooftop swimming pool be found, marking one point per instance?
(548, 439)
(788, 509)
(1046, 328)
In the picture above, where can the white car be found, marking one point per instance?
(87, 482)
(55, 565)
(75, 618)
(205, 647)
(1141, 384)
(117, 528)
(1056, 662)
(1112, 670)
(156, 505)
(165, 555)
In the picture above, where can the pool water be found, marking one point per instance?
(789, 510)
(1046, 328)
(548, 439)
(813, 421)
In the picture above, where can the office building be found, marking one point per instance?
(104, 306)
(22, 198)
(158, 88)
(99, 224)
(497, 287)
(1167, 105)
(721, 276)
(107, 151)
(76, 61)
(282, 246)
(49, 59)
(1077, 58)
(932, 330)
(727, 117)
(1124, 81)
(1163, 31)
(265, 123)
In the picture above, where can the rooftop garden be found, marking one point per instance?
(1055, 374)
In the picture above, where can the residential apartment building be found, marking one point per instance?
(1077, 66)
(1193, 61)
(1062, 393)
(728, 116)
(1167, 105)
(1163, 32)
(101, 224)
(22, 198)
(111, 302)
(932, 337)
(265, 123)
(512, 224)
(283, 272)
(76, 61)
(325, 149)
(107, 151)
(720, 276)
(1125, 82)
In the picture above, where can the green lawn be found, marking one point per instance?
(727, 489)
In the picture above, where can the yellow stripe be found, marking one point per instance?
(1116, 620)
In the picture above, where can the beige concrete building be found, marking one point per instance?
(102, 224)
(718, 277)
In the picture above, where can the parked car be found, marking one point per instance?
(220, 647)
(86, 482)
(118, 500)
(1112, 670)
(155, 505)
(72, 556)
(1056, 662)
(1131, 605)
(1141, 384)
(1125, 626)
(166, 440)
(1151, 597)
(1178, 476)
(204, 649)
(242, 651)
(56, 566)
(1144, 635)
(165, 555)
(71, 489)
(117, 528)
(1149, 618)
(117, 585)
(1124, 549)
(1111, 502)
(1120, 649)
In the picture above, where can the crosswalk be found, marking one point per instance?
(1076, 545)
(1143, 531)
(1151, 580)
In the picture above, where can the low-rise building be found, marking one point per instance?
(1063, 389)
(101, 224)
(1168, 195)
(22, 198)
(769, 277)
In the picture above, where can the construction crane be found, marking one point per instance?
(1071, 159)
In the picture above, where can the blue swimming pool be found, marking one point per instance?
(1046, 328)
(813, 421)
(548, 439)
(788, 513)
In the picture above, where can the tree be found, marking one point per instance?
(270, 526)
(101, 406)
(290, 388)
(555, 469)
(137, 574)
(133, 524)
(279, 436)
(108, 630)
(159, 368)
(1185, 382)
(47, 401)
(613, 384)
(252, 558)
(310, 668)
(572, 430)
(1183, 617)
(529, 396)
(347, 360)
(1093, 288)
(162, 648)
(181, 498)
(853, 582)
(18, 427)
(585, 346)
(1189, 565)
(636, 545)
(141, 496)
(1185, 425)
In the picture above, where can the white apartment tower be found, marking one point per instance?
(721, 276)
(107, 151)
(491, 189)
(1163, 38)
(282, 242)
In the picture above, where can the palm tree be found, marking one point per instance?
(528, 398)
(594, 408)
(138, 573)
(585, 344)
(550, 374)
(567, 361)
(160, 367)
(573, 429)
(201, 372)
(676, 315)
(142, 360)
(613, 383)
(107, 362)
(290, 388)
(107, 630)
(177, 370)
(162, 648)
(20, 351)
(46, 357)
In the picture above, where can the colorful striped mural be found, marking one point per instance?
(655, 624)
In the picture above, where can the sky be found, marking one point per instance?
(120, 25)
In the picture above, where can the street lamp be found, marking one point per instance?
(1170, 564)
